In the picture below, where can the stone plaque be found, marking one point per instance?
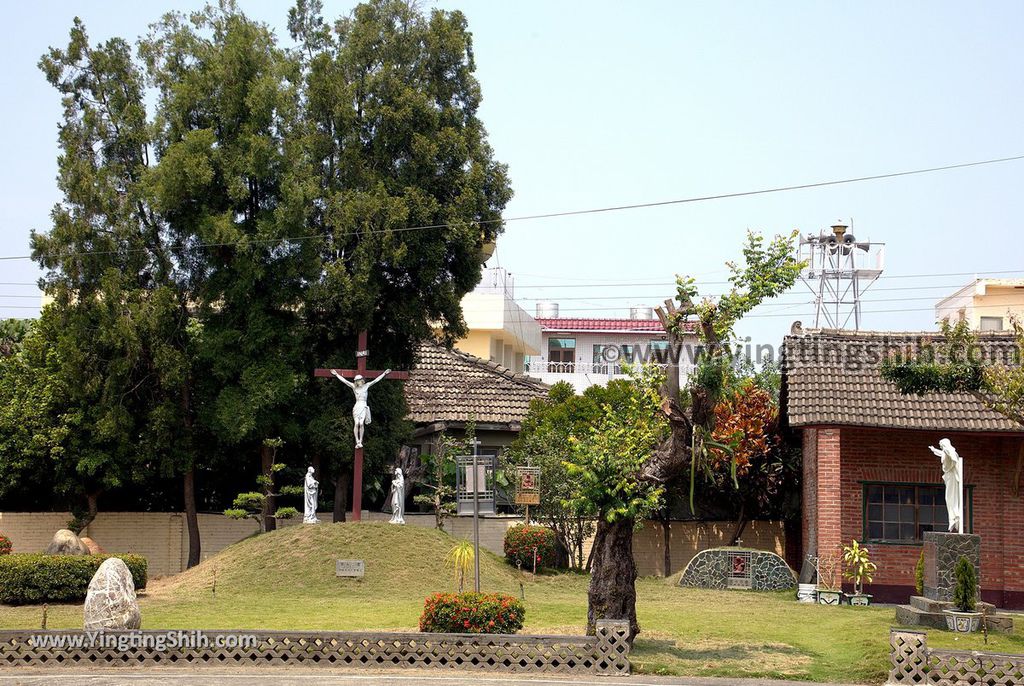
(352, 568)
(941, 552)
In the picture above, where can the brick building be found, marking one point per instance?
(868, 473)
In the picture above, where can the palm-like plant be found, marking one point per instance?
(859, 566)
(461, 558)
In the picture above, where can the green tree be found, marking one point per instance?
(606, 472)
(212, 248)
(767, 271)
(545, 442)
(232, 189)
(12, 333)
(393, 142)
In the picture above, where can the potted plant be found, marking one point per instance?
(965, 598)
(859, 569)
(827, 566)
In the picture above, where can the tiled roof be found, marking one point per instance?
(833, 378)
(450, 385)
(570, 324)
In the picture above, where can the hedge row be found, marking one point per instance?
(27, 578)
(472, 613)
(526, 544)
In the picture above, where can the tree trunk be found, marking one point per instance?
(342, 484)
(189, 478)
(92, 505)
(612, 592)
(741, 524)
(666, 534)
(191, 517)
(269, 505)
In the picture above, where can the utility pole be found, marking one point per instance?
(476, 517)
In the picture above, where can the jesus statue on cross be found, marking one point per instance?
(361, 415)
(361, 410)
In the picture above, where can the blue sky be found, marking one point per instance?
(606, 103)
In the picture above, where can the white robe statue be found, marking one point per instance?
(311, 488)
(398, 498)
(361, 410)
(953, 476)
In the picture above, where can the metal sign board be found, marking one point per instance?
(527, 485)
(350, 568)
(475, 484)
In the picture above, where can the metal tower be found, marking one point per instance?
(839, 269)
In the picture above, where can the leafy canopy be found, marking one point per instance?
(606, 465)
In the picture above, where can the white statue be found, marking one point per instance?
(953, 475)
(361, 410)
(312, 487)
(398, 497)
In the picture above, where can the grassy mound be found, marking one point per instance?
(400, 560)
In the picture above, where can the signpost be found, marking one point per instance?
(476, 516)
(527, 488)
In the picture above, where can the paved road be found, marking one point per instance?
(294, 677)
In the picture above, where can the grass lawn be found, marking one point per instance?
(285, 580)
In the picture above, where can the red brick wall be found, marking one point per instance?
(809, 487)
(861, 454)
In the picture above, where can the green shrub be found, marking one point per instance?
(5, 545)
(965, 592)
(919, 574)
(472, 613)
(520, 542)
(27, 578)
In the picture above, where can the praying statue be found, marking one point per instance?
(953, 475)
(361, 410)
(311, 488)
(398, 497)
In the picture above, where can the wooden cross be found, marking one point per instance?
(362, 352)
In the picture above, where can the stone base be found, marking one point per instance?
(927, 612)
(942, 550)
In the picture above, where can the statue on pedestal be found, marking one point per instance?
(953, 476)
(398, 497)
(311, 489)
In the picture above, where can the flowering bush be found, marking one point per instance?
(472, 613)
(520, 542)
(5, 545)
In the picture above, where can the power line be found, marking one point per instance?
(661, 296)
(567, 213)
(633, 284)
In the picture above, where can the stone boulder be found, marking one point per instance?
(110, 603)
(93, 546)
(66, 542)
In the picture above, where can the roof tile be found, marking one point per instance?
(833, 377)
(450, 385)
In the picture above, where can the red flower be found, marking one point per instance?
(466, 624)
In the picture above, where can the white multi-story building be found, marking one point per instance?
(499, 329)
(589, 351)
(986, 304)
(581, 351)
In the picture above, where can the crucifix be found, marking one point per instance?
(360, 411)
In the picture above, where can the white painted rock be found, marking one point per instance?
(110, 602)
(66, 542)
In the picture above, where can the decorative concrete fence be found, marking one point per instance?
(607, 653)
(913, 662)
